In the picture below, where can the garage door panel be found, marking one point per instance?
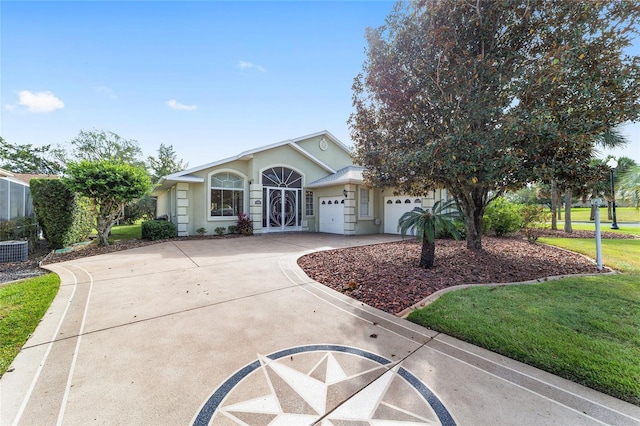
(331, 215)
(394, 208)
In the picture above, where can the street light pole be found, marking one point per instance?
(612, 163)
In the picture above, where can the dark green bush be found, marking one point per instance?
(158, 230)
(65, 217)
(502, 216)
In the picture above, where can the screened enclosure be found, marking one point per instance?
(15, 199)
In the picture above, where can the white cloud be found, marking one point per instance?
(173, 104)
(244, 65)
(38, 102)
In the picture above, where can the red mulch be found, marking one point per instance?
(387, 276)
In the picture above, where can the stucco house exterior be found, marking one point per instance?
(308, 184)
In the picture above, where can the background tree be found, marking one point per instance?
(166, 163)
(427, 224)
(99, 145)
(109, 186)
(486, 96)
(29, 159)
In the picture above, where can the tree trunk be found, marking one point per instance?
(554, 207)
(559, 204)
(473, 203)
(567, 211)
(104, 229)
(428, 254)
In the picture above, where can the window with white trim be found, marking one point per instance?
(308, 203)
(365, 209)
(227, 195)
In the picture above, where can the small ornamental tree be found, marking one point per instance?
(427, 224)
(109, 186)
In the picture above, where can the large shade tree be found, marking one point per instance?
(165, 163)
(97, 145)
(484, 96)
(28, 158)
(109, 186)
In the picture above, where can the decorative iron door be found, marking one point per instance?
(283, 208)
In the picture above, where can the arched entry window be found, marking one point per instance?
(282, 199)
(281, 177)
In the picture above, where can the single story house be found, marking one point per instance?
(308, 184)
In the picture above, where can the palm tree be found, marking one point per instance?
(426, 224)
(630, 185)
(610, 138)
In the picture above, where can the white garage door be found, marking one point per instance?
(394, 208)
(332, 215)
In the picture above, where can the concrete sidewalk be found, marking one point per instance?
(232, 332)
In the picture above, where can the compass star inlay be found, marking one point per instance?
(326, 385)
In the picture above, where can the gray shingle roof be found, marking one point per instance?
(346, 175)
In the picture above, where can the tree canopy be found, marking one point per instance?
(166, 163)
(109, 186)
(97, 145)
(480, 97)
(29, 159)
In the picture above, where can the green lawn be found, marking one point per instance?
(623, 214)
(628, 229)
(126, 232)
(22, 305)
(584, 329)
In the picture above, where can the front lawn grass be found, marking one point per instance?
(22, 305)
(584, 329)
(624, 229)
(621, 255)
(126, 232)
(623, 214)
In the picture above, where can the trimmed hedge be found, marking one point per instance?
(158, 230)
(65, 217)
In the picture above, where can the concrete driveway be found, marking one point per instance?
(232, 332)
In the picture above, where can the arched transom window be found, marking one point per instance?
(281, 177)
(227, 194)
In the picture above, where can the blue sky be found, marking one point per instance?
(211, 78)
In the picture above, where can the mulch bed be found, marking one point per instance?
(388, 277)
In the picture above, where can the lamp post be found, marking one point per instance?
(613, 163)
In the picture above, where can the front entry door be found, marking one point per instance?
(282, 209)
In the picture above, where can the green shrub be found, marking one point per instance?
(219, 230)
(244, 225)
(445, 234)
(533, 220)
(201, 231)
(158, 230)
(65, 217)
(502, 217)
(232, 229)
